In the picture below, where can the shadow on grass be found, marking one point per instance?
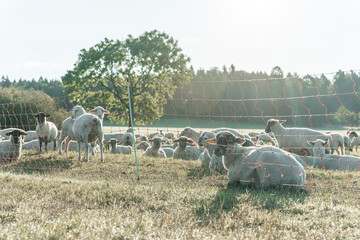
(36, 163)
(269, 199)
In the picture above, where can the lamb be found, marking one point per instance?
(45, 130)
(185, 152)
(66, 127)
(118, 148)
(88, 128)
(262, 167)
(155, 149)
(128, 139)
(332, 161)
(11, 149)
(294, 139)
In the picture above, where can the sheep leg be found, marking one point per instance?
(101, 136)
(40, 144)
(54, 144)
(45, 143)
(86, 143)
(79, 144)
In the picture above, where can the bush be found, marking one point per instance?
(344, 115)
(18, 106)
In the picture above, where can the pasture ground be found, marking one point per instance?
(47, 196)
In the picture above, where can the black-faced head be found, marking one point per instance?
(352, 134)
(225, 143)
(16, 135)
(184, 141)
(41, 117)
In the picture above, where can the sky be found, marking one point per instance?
(44, 37)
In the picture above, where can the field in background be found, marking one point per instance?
(173, 200)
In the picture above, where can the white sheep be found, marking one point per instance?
(143, 145)
(45, 130)
(100, 112)
(347, 143)
(66, 128)
(155, 149)
(128, 139)
(144, 138)
(266, 138)
(332, 161)
(119, 148)
(183, 151)
(30, 135)
(169, 152)
(116, 135)
(170, 135)
(88, 128)
(355, 143)
(34, 145)
(195, 135)
(336, 142)
(11, 149)
(207, 156)
(294, 139)
(259, 166)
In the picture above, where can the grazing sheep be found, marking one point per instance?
(87, 128)
(260, 166)
(332, 161)
(155, 149)
(119, 148)
(45, 130)
(143, 145)
(182, 151)
(347, 143)
(11, 149)
(66, 128)
(294, 139)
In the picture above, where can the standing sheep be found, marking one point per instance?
(45, 130)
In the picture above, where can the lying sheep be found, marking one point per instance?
(170, 135)
(195, 135)
(155, 149)
(4, 132)
(183, 151)
(11, 149)
(143, 145)
(259, 166)
(169, 152)
(332, 161)
(119, 148)
(144, 138)
(128, 139)
(207, 156)
(30, 135)
(116, 135)
(294, 139)
(266, 138)
(45, 130)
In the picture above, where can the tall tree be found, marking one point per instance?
(153, 64)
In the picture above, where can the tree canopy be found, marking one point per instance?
(152, 63)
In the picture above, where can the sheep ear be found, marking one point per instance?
(23, 133)
(9, 133)
(239, 140)
(91, 111)
(176, 140)
(36, 115)
(282, 121)
(106, 112)
(311, 142)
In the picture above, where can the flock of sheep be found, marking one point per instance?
(279, 156)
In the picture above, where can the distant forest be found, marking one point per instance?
(228, 94)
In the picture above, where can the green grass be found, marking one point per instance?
(48, 196)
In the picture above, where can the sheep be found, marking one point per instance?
(169, 135)
(119, 148)
(31, 135)
(260, 166)
(169, 152)
(195, 135)
(266, 138)
(182, 151)
(347, 143)
(66, 128)
(294, 139)
(11, 149)
(207, 156)
(144, 138)
(128, 139)
(336, 141)
(155, 149)
(143, 145)
(117, 135)
(332, 161)
(100, 112)
(354, 143)
(45, 130)
(88, 128)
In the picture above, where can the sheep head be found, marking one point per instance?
(183, 141)
(41, 117)
(272, 122)
(225, 143)
(16, 135)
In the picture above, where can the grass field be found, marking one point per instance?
(47, 196)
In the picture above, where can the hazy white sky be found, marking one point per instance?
(44, 37)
